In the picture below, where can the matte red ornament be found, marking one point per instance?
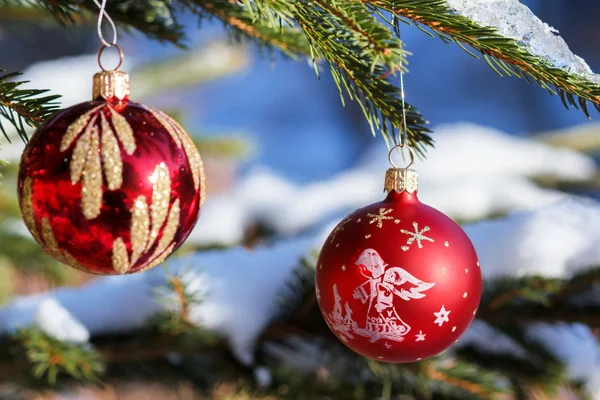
(398, 281)
(110, 186)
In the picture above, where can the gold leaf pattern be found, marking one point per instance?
(27, 209)
(182, 139)
(164, 121)
(146, 223)
(123, 130)
(140, 228)
(80, 154)
(50, 241)
(195, 162)
(170, 228)
(120, 259)
(89, 161)
(91, 196)
(72, 262)
(53, 249)
(158, 259)
(111, 157)
(161, 196)
(76, 127)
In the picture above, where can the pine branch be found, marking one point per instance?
(247, 21)
(50, 357)
(502, 54)
(22, 107)
(361, 58)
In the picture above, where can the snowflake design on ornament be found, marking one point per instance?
(382, 216)
(441, 316)
(417, 235)
(420, 337)
(338, 229)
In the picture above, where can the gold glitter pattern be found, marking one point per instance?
(72, 262)
(382, 216)
(50, 241)
(27, 209)
(80, 153)
(76, 127)
(120, 259)
(164, 121)
(123, 130)
(161, 194)
(170, 228)
(140, 227)
(91, 192)
(417, 235)
(343, 267)
(182, 139)
(111, 157)
(158, 259)
(338, 229)
(146, 223)
(90, 161)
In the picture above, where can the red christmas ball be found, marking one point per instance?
(398, 281)
(110, 186)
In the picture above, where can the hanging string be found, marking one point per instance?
(402, 138)
(101, 15)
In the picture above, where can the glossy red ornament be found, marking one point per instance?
(398, 281)
(110, 186)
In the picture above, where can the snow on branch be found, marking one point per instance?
(512, 40)
(514, 20)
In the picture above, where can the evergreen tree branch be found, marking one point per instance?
(22, 107)
(251, 22)
(361, 71)
(503, 54)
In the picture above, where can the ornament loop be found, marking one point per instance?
(121, 57)
(400, 146)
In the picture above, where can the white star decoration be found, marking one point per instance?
(420, 337)
(442, 316)
(417, 235)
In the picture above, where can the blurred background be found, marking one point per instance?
(260, 117)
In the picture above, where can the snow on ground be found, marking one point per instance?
(556, 241)
(515, 20)
(241, 287)
(472, 173)
(57, 322)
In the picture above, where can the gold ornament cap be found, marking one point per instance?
(110, 85)
(401, 180)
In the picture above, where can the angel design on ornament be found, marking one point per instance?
(379, 290)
